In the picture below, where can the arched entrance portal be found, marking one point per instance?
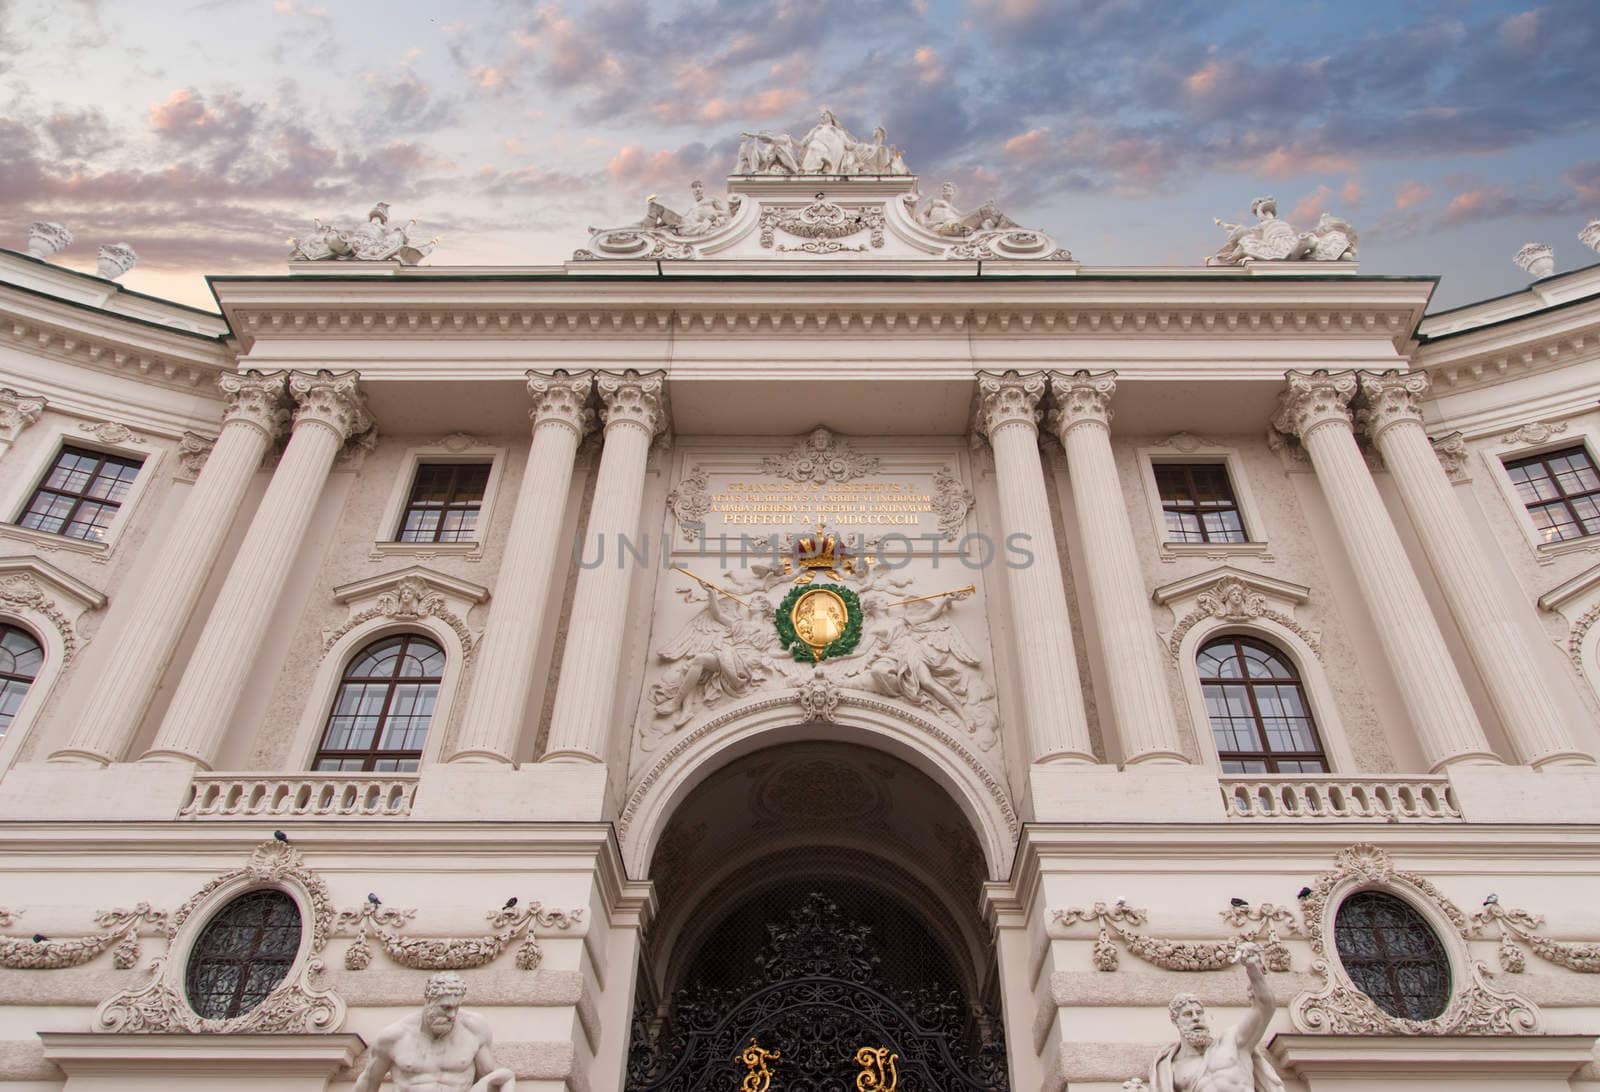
(818, 898)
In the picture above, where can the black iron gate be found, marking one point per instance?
(815, 998)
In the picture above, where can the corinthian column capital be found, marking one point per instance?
(1081, 398)
(1387, 398)
(633, 399)
(1009, 398)
(561, 397)
(257, 398)
(1314, 399)
(331, 399)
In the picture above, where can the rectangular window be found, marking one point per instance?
(444, 503)
(1198, 502)
(1561, 490)
(81, 495)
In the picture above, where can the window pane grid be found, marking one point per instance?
(380, 716)
(1392, 955)
(1259, 717)
(1561, 490)
(81, 495)
(20, 658)
(1198, 501)
(243, 954)
(444, 503)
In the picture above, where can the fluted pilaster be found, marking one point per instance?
(1392, 418)
(329, 409)
(1316, 408)
(1135, 665)
(634, 409)
(149, 624)
(1047, 664)
(511, 638)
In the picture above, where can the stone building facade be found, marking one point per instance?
(813, 589)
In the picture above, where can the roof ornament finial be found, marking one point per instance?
(1536, 259)
(116, 259)
(1590, 235)
(46, 237)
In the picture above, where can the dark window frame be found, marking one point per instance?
(82, 497)
(243, 1000)
(1266, 756)
(14, 682)
(370, 755)
(1386, 963)
(455, 501)
(1562, 498)
(1189, 503)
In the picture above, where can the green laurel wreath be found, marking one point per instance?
(842, 645)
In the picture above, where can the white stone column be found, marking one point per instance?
(510, 644)
(634, 409)
(153, 618)
(1047, 665)
(329, 410)
(1316, 408)
(1135, 663)
(1499, 649)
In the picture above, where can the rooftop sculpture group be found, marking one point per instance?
(373, 241)
(1270, 239)
(828, 148)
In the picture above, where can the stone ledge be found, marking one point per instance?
(98, 1061)
(1514, 1062)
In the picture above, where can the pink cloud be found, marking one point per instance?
(633, 164)
(1205, 79)
(926, 61)
(1351, 192)
(1411, 192)
(1521, 31)
(488, 77)
(1289, 162)
(1030, 145)
(1482, 203)
(1311, 205)
(183, 109)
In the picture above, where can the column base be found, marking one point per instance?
(578, 757)
(1165, 793)
(1159, 758)
(481, 758)
(75, 756)
(1562, 759)
(72, 790)
(1471, 758)
(194, 762)
(1067, 758)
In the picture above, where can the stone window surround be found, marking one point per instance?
(330, 672)
(1206, 452)
(384, 541)
(1514, 446)
(55, 435)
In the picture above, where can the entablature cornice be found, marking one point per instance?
(1523, 346)
(885, 308)
(112, 343)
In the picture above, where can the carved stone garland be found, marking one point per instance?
(121, 935)
(1519, 925)
(1232, 600)
(1259, 924)
(820, 457)
(823, 223)
(22, 592)
(381, 924)
(410, 599)
(1337, 1007)
(295, 1007)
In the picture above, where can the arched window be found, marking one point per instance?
(20, 657)
(1392, 955)
(243, 954)
(385, 701)
(1259, 716)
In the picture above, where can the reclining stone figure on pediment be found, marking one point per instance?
(1270, 239)
(373, 241)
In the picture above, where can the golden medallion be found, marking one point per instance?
(819, 618)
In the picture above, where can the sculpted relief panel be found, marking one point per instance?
(817, 566)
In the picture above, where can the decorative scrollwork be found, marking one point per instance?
(1338, 1007)
(690, 500)
(820, 457)
(1119, 922)
(755, 1059)
(1231, 599)
(877, 1070)
(382, 924)
(409, 599)
(951, 502)
(42, 953)
(295, 1006)
(1519, 925)
(822, 220)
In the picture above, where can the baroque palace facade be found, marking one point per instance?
(819, 640)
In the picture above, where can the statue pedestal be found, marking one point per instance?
(1403, 1063)
(1139, 794)
(170, 1063)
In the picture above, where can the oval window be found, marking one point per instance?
(243, 954)
(1392, 955)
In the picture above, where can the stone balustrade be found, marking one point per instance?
(319, 795)
(1330, 797)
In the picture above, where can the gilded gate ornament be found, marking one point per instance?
(877, 1070)
(759, 1077)
(816, 621)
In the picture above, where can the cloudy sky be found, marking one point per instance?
(204, 134)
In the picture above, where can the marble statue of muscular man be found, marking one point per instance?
(440, 1049)
(1203, 1062)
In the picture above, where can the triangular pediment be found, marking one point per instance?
(1224, 577)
